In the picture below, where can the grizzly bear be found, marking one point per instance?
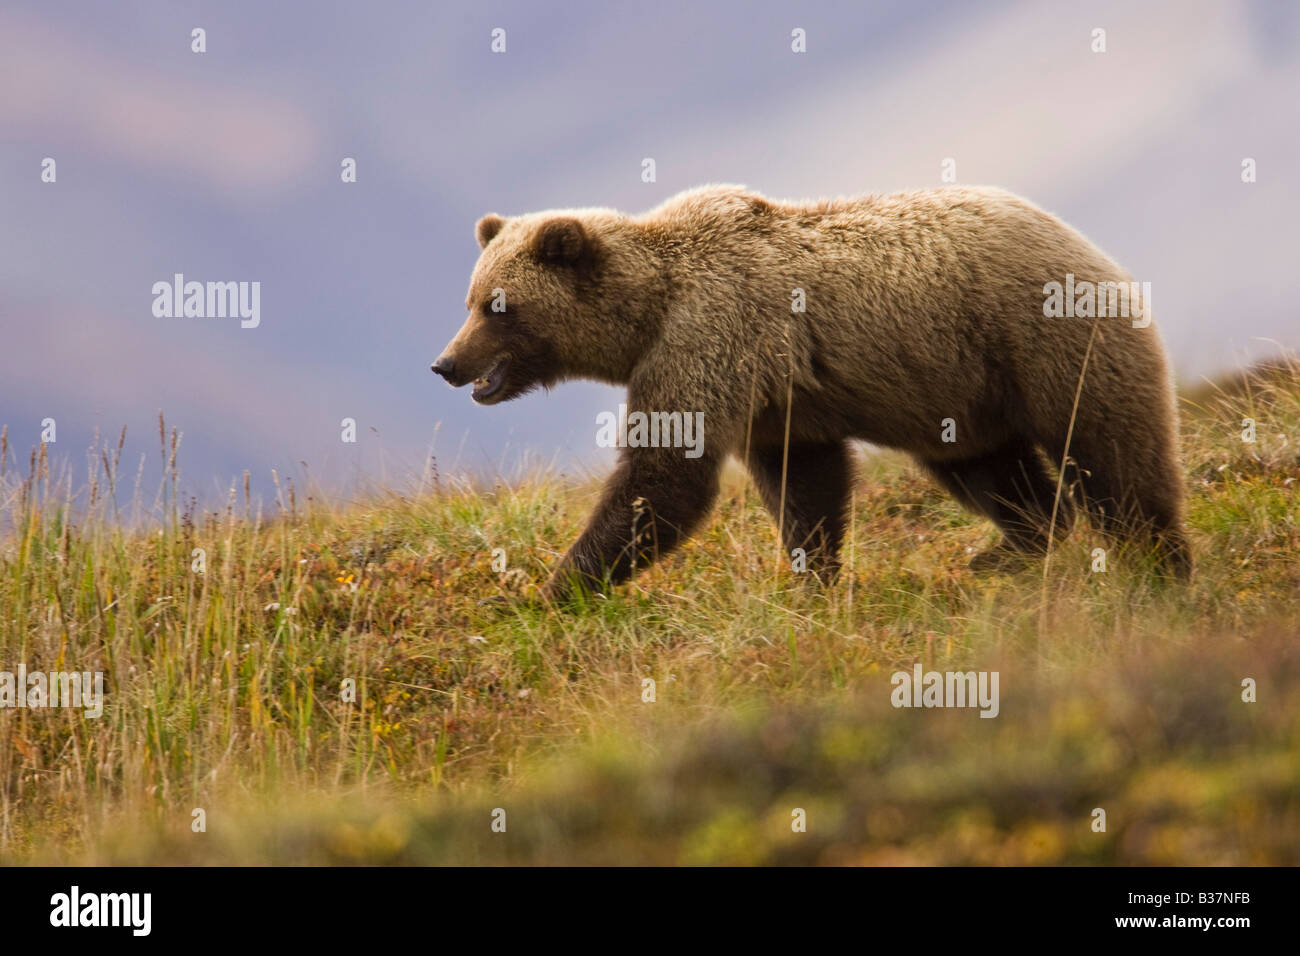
(929, 321)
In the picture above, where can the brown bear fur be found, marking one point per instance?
(921, 306)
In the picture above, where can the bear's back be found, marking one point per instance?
(976, 250)
(927, 300)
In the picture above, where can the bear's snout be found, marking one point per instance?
(446, 367)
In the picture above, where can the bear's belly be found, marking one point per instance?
(938, 429)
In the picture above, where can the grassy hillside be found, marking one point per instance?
(771, 694)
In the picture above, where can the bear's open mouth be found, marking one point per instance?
(491, 381)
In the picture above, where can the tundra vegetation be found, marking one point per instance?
(686, 717)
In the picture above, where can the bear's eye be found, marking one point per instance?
(497, 309)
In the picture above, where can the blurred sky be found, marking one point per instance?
(225, 166)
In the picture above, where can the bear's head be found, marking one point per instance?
(554, 295)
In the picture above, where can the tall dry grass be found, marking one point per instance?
(771, 693)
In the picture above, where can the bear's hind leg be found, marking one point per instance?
(1134, 503)
(1012, 487)
(818, 477)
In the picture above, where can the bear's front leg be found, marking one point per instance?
(811, 506)
(653, 501)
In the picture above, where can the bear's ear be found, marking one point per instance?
(562, 241)
(487, 229)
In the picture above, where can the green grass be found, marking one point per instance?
(771, 693)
